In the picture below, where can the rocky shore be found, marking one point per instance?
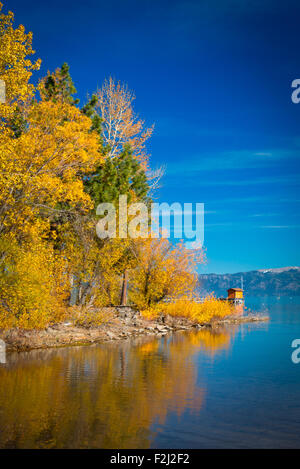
(124, 323)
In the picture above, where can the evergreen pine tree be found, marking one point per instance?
(89, 110)
(58, 86)
(121, 175)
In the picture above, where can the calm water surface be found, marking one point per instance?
(237, 388)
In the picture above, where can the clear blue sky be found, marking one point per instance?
(215, 78)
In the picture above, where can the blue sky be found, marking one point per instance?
(215, 78)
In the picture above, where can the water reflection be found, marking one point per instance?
(104, 396)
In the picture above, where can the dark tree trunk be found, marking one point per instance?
(124, 288)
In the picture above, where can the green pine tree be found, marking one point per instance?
(89, 110)
(58, 86)
(121, 175)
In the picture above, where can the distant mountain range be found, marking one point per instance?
(284, 281)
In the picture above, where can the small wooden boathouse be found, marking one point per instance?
(235, 295)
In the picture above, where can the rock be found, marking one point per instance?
(126, 312)
(111, 335)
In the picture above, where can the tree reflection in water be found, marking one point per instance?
(105, 396)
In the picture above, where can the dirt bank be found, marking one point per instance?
(124, 323)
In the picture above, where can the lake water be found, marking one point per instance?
(237, 388)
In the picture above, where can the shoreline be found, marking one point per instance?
(125, 324)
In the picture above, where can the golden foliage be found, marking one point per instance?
(33, 285)
(211, 309)
(163, 270)
(48, 243)
(41, 177)
(94, 263)
(84, 316)
(40, 168)
(15, 66)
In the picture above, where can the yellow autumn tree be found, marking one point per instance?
(33, 285)
(15, 65)
(49, 150)
(163, 270)
(43, 167)
(41, 178)
(95, 264)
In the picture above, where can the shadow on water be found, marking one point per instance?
(105, 396)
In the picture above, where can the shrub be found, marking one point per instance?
(90, 317)
(211, 309)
